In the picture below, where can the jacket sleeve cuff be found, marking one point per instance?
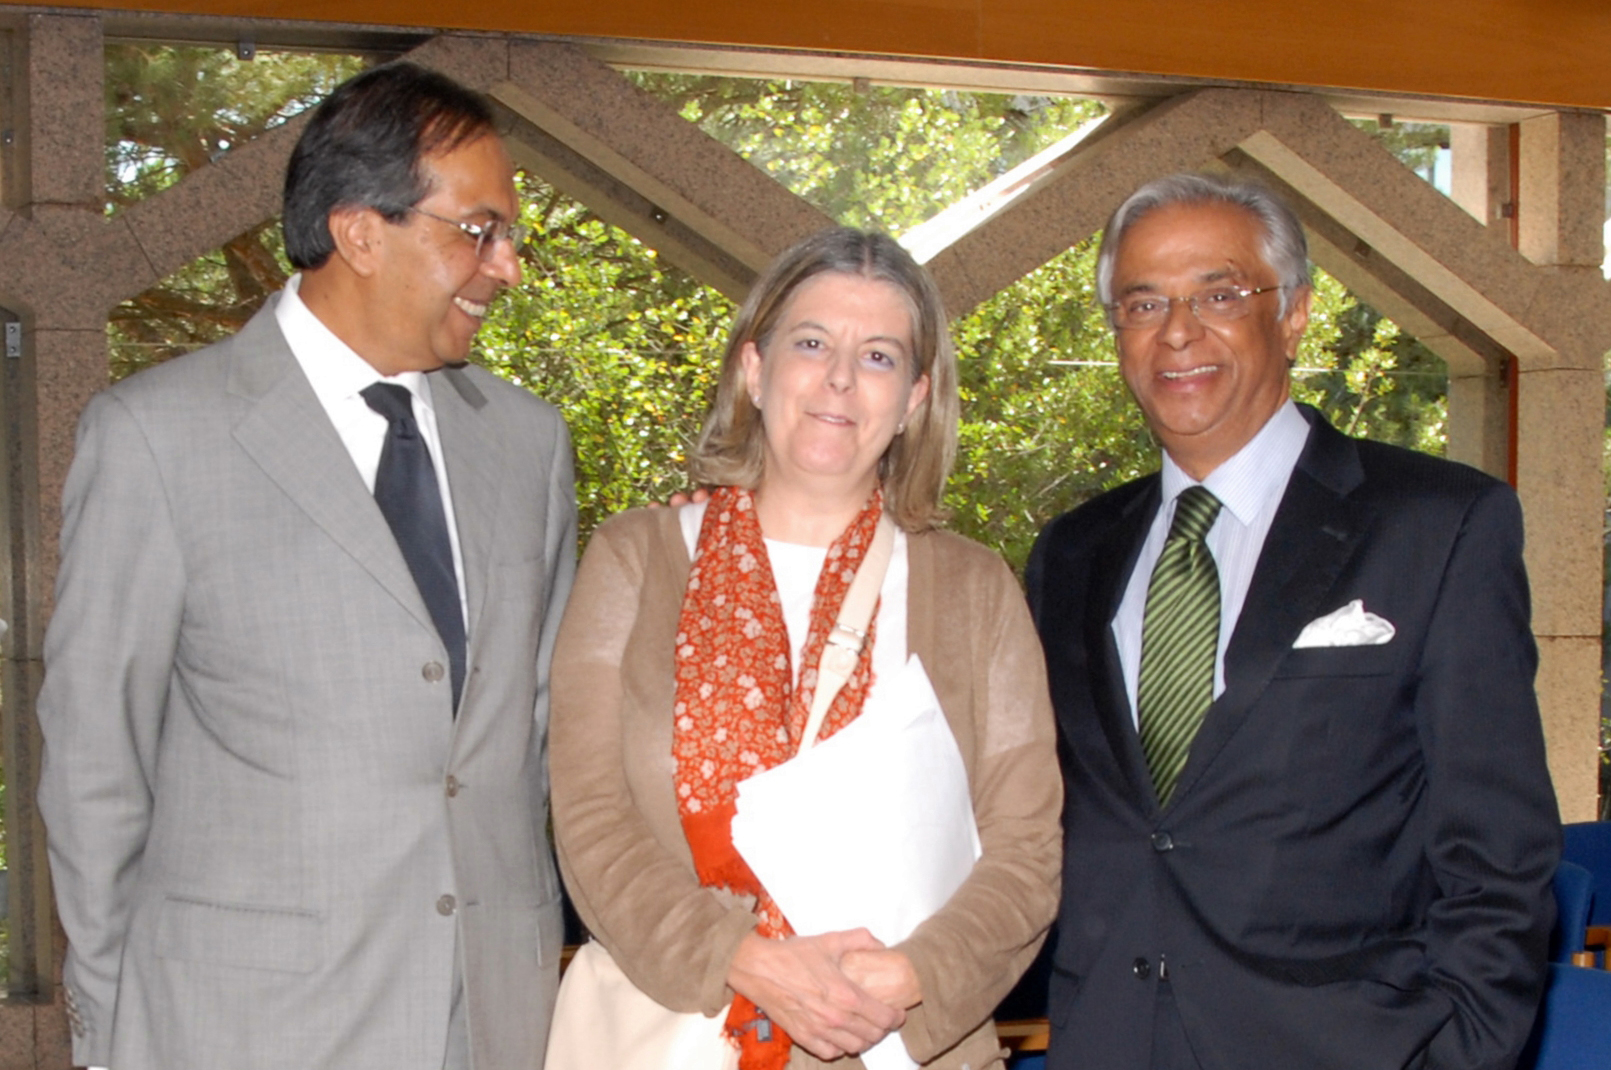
(733, 928)
(91, 1046)
(917, 1036)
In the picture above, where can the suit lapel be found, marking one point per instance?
(1111, 566)
(288, 434)
(1317, 528)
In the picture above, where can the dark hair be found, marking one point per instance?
(363, 148)
(914, 468)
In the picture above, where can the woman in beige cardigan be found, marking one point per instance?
(675, 677)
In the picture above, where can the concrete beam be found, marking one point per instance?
(945, 228)
(1478, 428)
(1070, 198)
(1480, 172)
(585, 167)
(640, 165)
(622, 206)
(65, 142)
(1469, 267)
(205, 209)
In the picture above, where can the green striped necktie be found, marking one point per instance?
(1179, 637)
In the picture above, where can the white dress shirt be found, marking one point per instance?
(337, 375)
(1250, 485)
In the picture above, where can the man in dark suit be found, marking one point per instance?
(1308, 819)
(295, 702)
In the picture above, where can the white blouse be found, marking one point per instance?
(795, 569)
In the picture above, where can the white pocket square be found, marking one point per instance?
(1348, 626)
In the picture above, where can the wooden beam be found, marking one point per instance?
(1501, 50)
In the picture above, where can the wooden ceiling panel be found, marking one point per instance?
(1545, 52)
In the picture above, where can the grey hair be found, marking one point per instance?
(1284, 247)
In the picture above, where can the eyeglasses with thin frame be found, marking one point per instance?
(485, 235)
(1215, 304)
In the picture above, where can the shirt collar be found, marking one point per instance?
(335, 370)
(1255, 477)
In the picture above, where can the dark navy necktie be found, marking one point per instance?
(410, 500)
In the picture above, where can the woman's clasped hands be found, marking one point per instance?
(835, 994)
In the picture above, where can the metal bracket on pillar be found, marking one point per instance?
(1510, 369)
(27, 905)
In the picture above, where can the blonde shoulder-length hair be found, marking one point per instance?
(730, 449)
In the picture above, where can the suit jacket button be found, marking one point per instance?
(74, 1017)
(446, 905)
(452, 786)
(1141, 968)
(1161, 841)
(433, 672)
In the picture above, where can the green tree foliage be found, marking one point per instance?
(884, 158)
(170, 110)
(1368, 377)
(1415, 144)
(627, 346)
(1047, 421)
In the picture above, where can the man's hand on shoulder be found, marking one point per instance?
(679, 499)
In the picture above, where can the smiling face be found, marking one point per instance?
(429, 291)
(834, 384)
(1206, 390)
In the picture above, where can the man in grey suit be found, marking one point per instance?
(296, 691)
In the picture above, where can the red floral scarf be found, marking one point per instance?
(737, 709)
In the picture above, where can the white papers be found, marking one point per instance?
(873, 827)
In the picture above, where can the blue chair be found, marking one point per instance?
(1571, 1032)
(1021, 1017)
(1574, 898)
(1588, 844)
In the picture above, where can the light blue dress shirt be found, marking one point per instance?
(1250, 485)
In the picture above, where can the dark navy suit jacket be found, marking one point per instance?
(1354, 869)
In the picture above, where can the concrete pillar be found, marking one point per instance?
(1479, 158)
(1560, 423)
(52, 175)
(1478, 425)
(1560, 432)
(1561, 203)
(63, 141)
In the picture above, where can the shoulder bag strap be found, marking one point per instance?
(849, 635)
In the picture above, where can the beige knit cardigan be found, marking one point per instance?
(620, 841)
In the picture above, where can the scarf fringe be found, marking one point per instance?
(754, 1053)
(710, 837)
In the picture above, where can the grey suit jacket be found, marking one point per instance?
(269, 834)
